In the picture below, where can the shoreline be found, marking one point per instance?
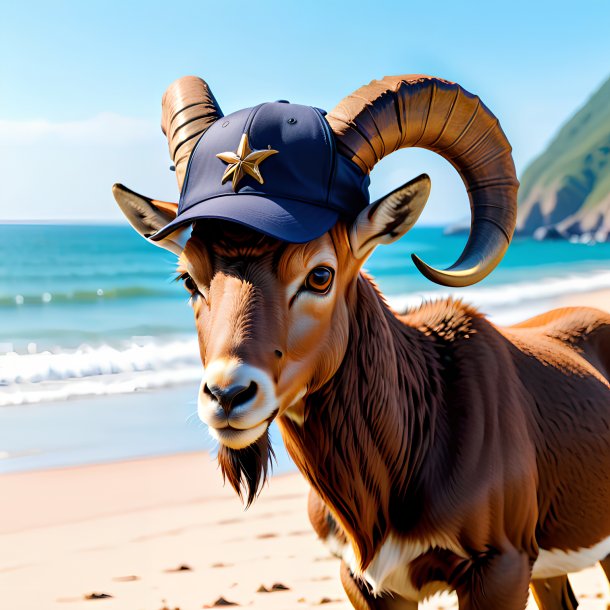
(100, 429)
(109, 429)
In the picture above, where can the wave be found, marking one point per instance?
(499, 299)
(84, 296)
(39, 377)
(83, 271)
(97, 386)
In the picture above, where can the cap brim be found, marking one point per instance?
(286, 219)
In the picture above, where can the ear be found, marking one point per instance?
(390, 217)
(147, 216)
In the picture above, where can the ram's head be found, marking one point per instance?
(274, 225)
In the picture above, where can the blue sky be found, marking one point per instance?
(81, 82)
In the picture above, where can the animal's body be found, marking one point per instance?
(443, 451)
(519, 431)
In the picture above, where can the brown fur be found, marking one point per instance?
(444, 449)
(246, 469)
(550, 593)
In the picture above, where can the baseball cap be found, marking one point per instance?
(274, 168)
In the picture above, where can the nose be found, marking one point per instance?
(232, 396)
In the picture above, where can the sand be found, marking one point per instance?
(599, 299)
(164, 533)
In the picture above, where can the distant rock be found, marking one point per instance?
(550, 232)
(565, 192)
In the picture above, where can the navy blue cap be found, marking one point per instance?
(307, 185)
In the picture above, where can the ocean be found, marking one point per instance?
(93, 310)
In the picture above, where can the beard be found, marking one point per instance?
(247, 469)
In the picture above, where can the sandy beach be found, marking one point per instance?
(599, 299)
(164, 533)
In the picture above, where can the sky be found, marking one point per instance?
(81, 82)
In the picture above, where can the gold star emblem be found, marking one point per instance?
(244, 161)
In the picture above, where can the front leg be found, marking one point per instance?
(554, 593)
(497, 581)
(361, 598)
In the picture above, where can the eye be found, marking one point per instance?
(189, 283)
(319, 280)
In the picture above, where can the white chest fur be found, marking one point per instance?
(390, 569)
(554, 562)
(389, 572)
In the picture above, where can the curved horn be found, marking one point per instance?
(418, 110)
(188, 109)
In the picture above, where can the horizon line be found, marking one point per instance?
(117, 222)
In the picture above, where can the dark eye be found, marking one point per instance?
(189, 283)
(319, 279)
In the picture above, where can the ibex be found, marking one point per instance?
(443, 452)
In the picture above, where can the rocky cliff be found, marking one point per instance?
(565, 192)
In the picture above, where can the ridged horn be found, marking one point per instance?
(188, 109)
(426, 112)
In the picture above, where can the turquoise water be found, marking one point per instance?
(65, 285)
(94, 309)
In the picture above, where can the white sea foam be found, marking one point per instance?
(30, 378)
(509, 303)
(105, 385)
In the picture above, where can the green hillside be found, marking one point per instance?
(565, 192)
